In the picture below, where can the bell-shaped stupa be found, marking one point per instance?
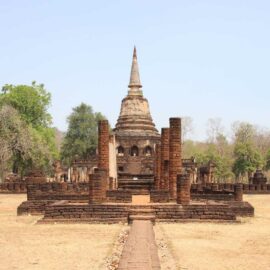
(135, 117)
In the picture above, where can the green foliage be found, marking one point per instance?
(30, 101)
(222, 163)
(15, 138)
(247, 159)
(267, 160)
(218, 152)
(81, 138)
(243, 132)
(27, 110)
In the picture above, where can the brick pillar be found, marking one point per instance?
(99, 180)
(175, 154)
(164, 151)
(103, 145)
(183, 189)
(157, 167)
(238, 192)
(98, 186)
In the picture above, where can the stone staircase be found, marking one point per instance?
(141, 213)
(136, 185)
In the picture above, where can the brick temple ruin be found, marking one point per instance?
(137, 173)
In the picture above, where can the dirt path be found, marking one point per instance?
(140, 250)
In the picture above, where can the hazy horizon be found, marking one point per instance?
(200, 59)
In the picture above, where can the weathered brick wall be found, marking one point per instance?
(98, 182)
(103, 145)
(33, 207)
(159, 196)
(256, 189)
(164, 151)
(226, 188)
(13, 187)
(108, 213)
(111, 213)
(183, 189)
(238, 192)
(119, 196)
(58, 191)
(243, 209)
(175, 155)
(212, 192)
(198, 212)
(157, 167)
(213, 197)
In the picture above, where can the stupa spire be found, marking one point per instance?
(135, 117)
(134, 82)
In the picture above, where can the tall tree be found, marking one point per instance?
(15, 138)
(81, 139)
(214, 129)
(243, 132)
(31, 104)
(187, 127)
(247, 160)
(247, 157)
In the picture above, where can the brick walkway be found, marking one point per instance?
(140, 251)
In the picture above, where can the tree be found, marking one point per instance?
(81, 138)
(222, 162)
(243, 132)
(31, 105)
(262, 140)
(187, 127)
(247, 160)
(247, 156)
(31, 102)
(214, 129)
(267, 160)
(15, 139)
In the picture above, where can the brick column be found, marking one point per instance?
(164, 151)
(98, 186)
(157, 167)
(99, 180)
(103, 145)
(183, 189)
(238, 192)
(175, 154)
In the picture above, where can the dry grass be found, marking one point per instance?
(195, 246)
(212, 246)
(25, 245)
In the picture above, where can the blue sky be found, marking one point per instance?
(203, 59)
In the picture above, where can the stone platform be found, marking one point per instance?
(65, 212)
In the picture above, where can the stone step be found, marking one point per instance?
(142, 211)
(83, 220)
(142, 217)
(136, 191)
(151, 218)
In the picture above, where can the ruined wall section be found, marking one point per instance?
(175, 163)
